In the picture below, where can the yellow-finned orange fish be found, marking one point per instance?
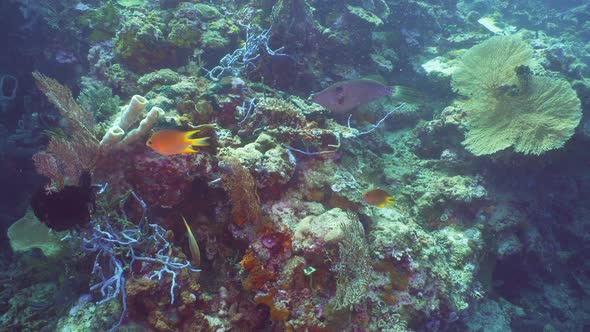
(192, 245)
(378, 197)
(169, 142)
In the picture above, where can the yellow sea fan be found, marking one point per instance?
(507, 105)
(540, 118)
(490, 65)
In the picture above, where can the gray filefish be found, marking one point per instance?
(347, 95)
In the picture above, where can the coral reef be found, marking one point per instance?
(476, 237)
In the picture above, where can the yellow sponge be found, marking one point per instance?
(28, 233)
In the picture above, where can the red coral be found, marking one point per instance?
(276, 240)
(257, 274)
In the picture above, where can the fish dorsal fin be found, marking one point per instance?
(190, 133)
(374, 78)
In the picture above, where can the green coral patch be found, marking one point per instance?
(130, 3)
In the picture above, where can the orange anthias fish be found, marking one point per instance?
(170, 142)
(378, 197)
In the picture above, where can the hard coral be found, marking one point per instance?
(165, 181)
(276, 112)
(269, 162)
(146, 298)
(316, 234)
(140, 43)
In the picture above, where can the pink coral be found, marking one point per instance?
(46, 165)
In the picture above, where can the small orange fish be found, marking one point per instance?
(170, 142)
(378, 197)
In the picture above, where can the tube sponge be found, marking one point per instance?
(144, 126)
(132, 111)
(112, 136)
(117, 135)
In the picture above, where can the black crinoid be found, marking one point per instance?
(67, 208)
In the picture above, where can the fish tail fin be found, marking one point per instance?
(202, 141)
(188, 149)
(406, 94)
(389, 200)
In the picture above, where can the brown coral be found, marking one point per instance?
(241, 189)
(70, 152)
(278, 313)
(148, 298)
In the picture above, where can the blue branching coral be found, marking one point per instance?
(117, 249)
(239, 60)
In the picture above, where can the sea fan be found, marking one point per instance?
(509, 106)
